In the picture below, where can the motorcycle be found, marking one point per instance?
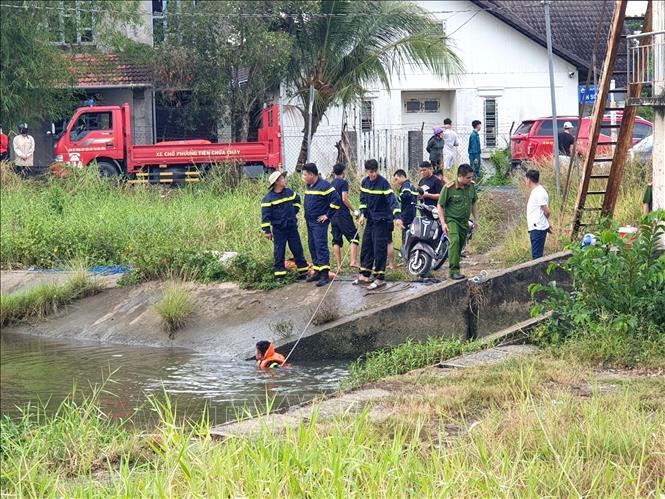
(425, 246)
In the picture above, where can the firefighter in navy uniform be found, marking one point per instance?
(321, 203)
(279, 208)
(378, 207)
(407, 197)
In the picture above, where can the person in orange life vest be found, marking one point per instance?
(266, 355)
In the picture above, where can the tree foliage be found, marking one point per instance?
(350, 44)
(34, 81)
(231, 55)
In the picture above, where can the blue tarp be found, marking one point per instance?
(98, 269)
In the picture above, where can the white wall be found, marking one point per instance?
(498, 62)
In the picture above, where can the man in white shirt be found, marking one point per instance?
(24, 147)
(537, 213)
(449, 144)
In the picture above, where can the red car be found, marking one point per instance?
(533, 139)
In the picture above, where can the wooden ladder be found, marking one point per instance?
(598, 191)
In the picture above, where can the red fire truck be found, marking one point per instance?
(103, 134)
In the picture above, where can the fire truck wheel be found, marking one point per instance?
(107, 169)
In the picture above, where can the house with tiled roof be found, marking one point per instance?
(502, 46)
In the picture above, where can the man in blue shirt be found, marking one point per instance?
(474, 148)
(342, 223)
(321, 204)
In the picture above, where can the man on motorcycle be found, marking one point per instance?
(456, 204)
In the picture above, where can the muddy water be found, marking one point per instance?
(34, 369)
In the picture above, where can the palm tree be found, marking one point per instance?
(349, 44)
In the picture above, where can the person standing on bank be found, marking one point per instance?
(474, 148)
(321, 204)
(342, 223)
(566, 140)
(431, 186)
(24, 148)
(279, 209)
(537, 213)
(378, 208)
(456, 204)
(435, 147)
(407, 198)
(450, 142)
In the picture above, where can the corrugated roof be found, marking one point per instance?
(107, 70)
(574, 25)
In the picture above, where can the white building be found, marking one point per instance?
(505, 80)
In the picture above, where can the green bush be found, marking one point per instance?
(617, 292)
(175, 307)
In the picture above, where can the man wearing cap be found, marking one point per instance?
(321, 204)
(279, 208)
(566, 139)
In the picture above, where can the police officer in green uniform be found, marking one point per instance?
(456, 203)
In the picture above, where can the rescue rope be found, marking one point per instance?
(316, 310)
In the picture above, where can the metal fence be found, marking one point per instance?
(393, 149)
(642, 57)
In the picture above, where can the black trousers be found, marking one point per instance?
(374, 249)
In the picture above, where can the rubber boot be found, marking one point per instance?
(324, 279)
(314, 277)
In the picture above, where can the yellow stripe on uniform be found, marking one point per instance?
(362, 206)
(320, 193)
(263, 226)
(282, 272)
(369, 191)
(279, 201)
(297, 204)
(334, 206)
(396, 211)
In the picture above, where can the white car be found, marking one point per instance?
(642, 150)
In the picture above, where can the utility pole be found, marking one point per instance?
(555, 128)
(309, 124)
(658, 155)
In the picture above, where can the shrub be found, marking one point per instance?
(175, 307)
(617, 290)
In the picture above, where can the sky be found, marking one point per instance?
(636, 7)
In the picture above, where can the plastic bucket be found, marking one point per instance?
(628, 234)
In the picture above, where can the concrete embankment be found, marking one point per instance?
(451, 309)
(228, 321)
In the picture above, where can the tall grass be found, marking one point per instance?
(44, 299)
(175, 307)
(529, 440)
(161, 232)
(406, 357)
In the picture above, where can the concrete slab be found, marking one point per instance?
(490, 356)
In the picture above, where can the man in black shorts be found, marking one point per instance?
(342, 223)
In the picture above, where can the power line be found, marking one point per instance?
(32, 7)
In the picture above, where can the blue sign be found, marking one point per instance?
(590, 93)
(590, 96)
